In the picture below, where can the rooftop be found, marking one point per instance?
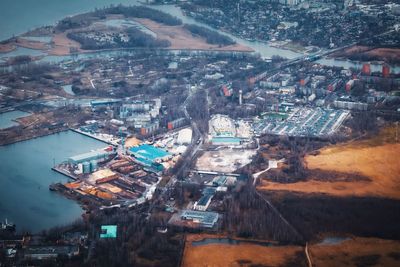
(89, 155)
(108, 231)
(148, 152)
(206, 218)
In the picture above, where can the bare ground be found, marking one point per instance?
(181, 38)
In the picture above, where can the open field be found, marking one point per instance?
(62, 45)
(31, 44)
(183, 39)
(368, 53)
(357, 252)
(373, 158)
(6, 47)
(239, 255)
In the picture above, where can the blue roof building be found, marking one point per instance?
(204, 218)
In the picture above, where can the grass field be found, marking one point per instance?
(357, 252)
(377, 158)
(238, 255)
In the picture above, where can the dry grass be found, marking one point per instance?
(7, 47)
(62, 45)
(385, 54)
(351, 252)
(376, 158)
(31, 44)
(181, 38)
(233, 255)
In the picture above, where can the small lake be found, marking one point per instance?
(230, 241)
(333, 240)
(7, 119)
(25, 176)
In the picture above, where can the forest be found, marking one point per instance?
(136, 38)
(212, 37)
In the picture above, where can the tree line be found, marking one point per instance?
(212, 37)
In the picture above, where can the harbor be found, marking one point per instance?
(24, 195)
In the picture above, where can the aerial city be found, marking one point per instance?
(182, 133)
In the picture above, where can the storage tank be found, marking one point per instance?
(80, 168)
(366, 69)
(86, 167)
(385, 70)
(93, 165)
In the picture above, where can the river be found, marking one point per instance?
(25, 176)
(33, 15)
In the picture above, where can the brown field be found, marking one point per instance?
(357, 252)
(232, 255)
(385, 54)
(12, 45)
(183, 39)
(62, 45)
(373, 158)
(7, 47)
(31, 44)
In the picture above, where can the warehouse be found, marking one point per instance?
(204, 218)
(203, 203)
(100, 154)
(149, 155)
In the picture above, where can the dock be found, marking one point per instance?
(94, 137)
(63, 172)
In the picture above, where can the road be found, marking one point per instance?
(311, 57)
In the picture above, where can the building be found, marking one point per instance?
(184, 137)
(226, 141)
(203, 203)
(108, 231)
(101, 103)
(176, 123)
(350, 105)
(98, 155)
(149, 155)
(149, 128)
(50, 252)
(203, 218)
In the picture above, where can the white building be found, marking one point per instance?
(184, 136)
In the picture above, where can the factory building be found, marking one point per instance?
(50, 252)
(350, 105)
(203, 218)
(203, 203)
(149, 155)
(95, 104)
(97, 155)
